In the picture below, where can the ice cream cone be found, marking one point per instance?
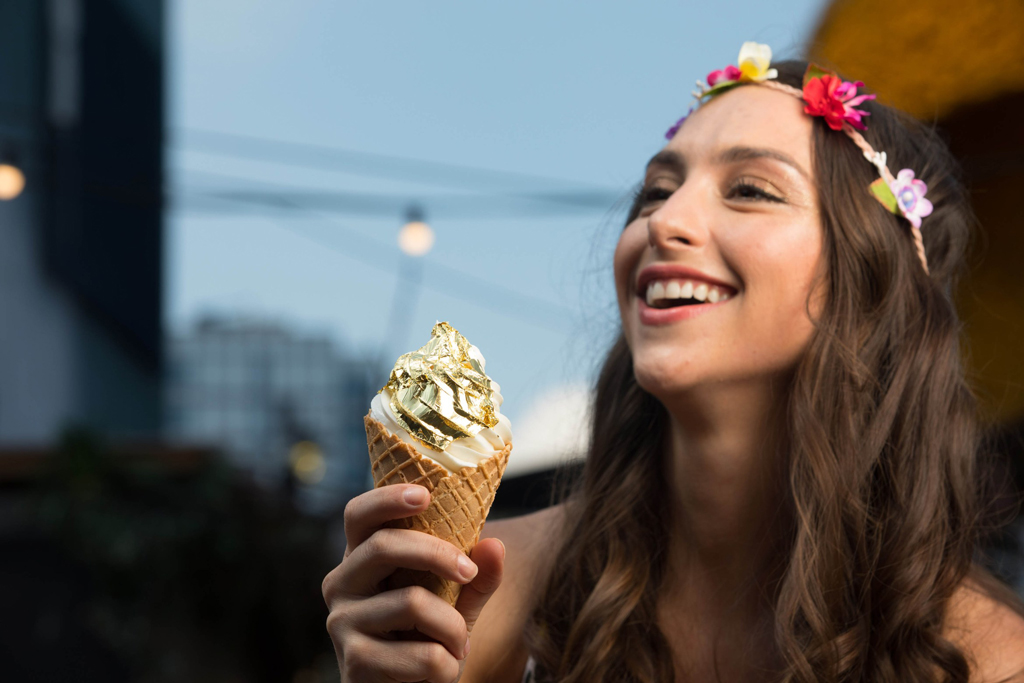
(459, 501)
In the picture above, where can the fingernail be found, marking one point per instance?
(502, 548)
(467, 568)
(415, 496)
(465, 653)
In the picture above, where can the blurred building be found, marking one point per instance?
(287, 408)
(81, 116)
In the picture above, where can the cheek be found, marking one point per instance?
(784, 271)
(627, 256)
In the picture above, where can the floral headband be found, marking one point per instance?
(826, 95)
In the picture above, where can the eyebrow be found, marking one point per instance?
(675, 162)
(737, 154)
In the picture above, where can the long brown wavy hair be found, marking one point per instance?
(883, 440)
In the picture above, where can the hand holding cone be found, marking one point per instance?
(438, 423)
(459, 501)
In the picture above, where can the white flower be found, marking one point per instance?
(879, 161)
(754, 62)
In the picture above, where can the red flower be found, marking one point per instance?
(820, 96)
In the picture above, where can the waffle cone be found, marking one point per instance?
(459, 501)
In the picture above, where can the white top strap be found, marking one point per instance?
(529, 675)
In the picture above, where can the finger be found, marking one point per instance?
(388, 549)
(489, 555)
(370, 511)
(412, 609)
(367, 658)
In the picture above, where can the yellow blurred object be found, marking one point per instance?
(926, 57)
(307, 462)
(12, 181)
(958, 65)
(416, 238)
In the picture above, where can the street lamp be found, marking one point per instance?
(415, 238)
(307, 462)
(12, 180)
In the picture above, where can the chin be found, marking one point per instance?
(664, 376)
(670, 375)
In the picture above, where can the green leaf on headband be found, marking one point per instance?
(815, 71)
(883, 194)
(719, 88)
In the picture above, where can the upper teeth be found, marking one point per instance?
(668, 290)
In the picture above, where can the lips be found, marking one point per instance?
(672, 271)
(668, 293)
(664, 316)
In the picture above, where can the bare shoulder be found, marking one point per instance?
(530, 544)
(990, 632)
(498, 652)
(527, 538)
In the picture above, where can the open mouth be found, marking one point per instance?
(676, 293)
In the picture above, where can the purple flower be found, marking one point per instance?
(910, 197)
(671, 132)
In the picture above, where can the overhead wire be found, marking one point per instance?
(486, 202)
(452, 282)
(448, 207)
(371, 164)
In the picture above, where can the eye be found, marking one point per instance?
(749, 189)
(656, 194)
(651, 195)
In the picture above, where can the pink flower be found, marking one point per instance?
(847, 94)
(834, 99)
(910, 197)
(729, 73)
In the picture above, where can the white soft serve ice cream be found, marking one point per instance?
(465, 452)
(440, 401)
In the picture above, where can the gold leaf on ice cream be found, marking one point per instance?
(440, 392)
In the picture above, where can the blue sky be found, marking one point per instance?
(572, 96)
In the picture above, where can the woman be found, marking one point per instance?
(780, 484)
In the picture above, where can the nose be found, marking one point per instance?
(680, 222)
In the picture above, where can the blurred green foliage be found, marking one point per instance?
(195, 575)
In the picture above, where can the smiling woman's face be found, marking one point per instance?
(730, 209)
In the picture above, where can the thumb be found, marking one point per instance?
(489, 556)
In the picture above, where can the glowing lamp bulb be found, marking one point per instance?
(415, 238)
(307, 462)
(12, 181)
